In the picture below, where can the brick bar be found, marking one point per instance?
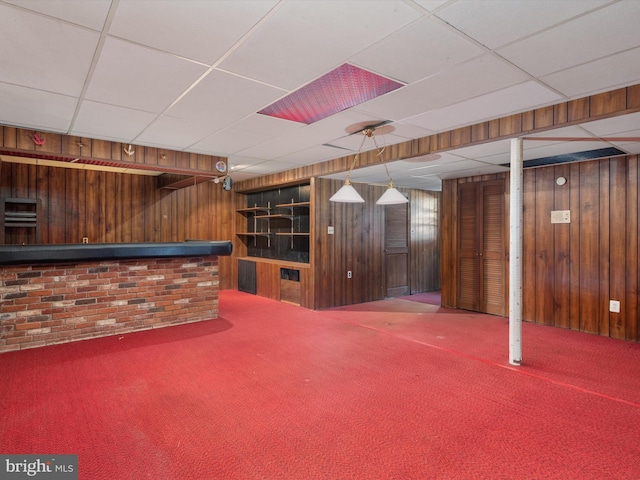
(50, 304)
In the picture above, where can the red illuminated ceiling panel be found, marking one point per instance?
(342, 88)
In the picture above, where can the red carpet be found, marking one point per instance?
(273, 391)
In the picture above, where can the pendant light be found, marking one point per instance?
(391, 196)
(348, 194)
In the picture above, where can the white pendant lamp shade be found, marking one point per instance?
(347, 194)
(392, 197)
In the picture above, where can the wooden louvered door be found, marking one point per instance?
(482, 247)
(396, 248)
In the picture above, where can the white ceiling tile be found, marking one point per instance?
(563, 148)
(603, 32)
(304, 40)
(88, 14)
(437, 46)
(229, 141)
(614, 126)
(195, 29)
(430, 5)
(486, 170)
(598, 76)
(484, 149)
(35, 109)
(497, 22)
(221, 98)
(407, 130)
(266, 168)
(137, 77)
(107, 122)
(172, 132)
(265, 125)
(246, 133)
(44, 53)
(322, 132)
(462, 82)
(518, 98)
(312, 155)
(630, 148)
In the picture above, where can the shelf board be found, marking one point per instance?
(254, 234)
(275, 215)
(296, 204)
(289, 234)
(253, 209)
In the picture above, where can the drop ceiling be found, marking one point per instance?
(192, 75)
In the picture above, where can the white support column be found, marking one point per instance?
(515, 253)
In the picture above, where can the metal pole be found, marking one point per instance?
(515, 253)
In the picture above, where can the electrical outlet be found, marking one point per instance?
(330, 230)
(85, 239)
(614, 306)
(349, 274)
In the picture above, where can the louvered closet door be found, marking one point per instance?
(481, 247)
(468, 238)
(396, 248)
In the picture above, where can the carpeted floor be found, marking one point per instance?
(273, 391)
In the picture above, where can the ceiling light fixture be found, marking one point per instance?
(348, 194)
(391, 196)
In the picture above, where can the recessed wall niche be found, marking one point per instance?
(277, 223)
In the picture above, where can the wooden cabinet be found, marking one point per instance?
(482, 253)
(20, 221)
(276, 224)
(273, 229)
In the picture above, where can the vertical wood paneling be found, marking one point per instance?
(72, 204)
(604, 246)
(571, 271)
(589, 247)
(562, 251)
(544, 285)
(110, 208)
(93, 206)
(126, 225)
(42, 184)
(529, 244)
(448, 242)
(425, 253)
(118, 207)
(574, 240)
(356, 245)
(632, 270)
(137, 208)
(617, 244)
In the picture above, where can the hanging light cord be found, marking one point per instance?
(366, 133)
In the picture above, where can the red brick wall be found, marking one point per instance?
(47, 304)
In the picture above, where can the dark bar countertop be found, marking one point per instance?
(80, 252)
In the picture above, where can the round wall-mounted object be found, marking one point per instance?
(561, 181)
(221, 166)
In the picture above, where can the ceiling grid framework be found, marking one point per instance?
(192, 76)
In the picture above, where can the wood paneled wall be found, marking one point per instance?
(19, 142)
(572, 271)
(357, 245)
(111, 207)
(425, 248)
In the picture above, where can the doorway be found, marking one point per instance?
(396, 248)
(482, 255)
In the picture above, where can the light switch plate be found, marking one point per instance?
(614, 306)
(561, 216)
